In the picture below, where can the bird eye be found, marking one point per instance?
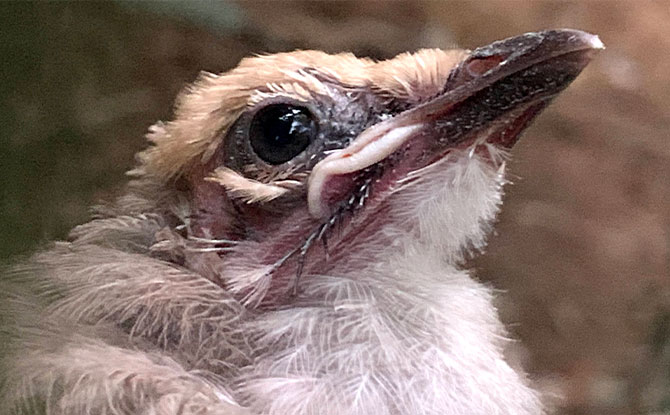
(280, 132)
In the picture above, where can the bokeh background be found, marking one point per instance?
(581, 252)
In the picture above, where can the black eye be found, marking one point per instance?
(280, 132)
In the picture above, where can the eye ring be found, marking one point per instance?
(279, 132)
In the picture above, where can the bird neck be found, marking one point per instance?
(390, 338)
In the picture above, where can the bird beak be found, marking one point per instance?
(491, 96)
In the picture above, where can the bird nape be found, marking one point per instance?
(291, 244)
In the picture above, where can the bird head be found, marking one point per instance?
(304, 163)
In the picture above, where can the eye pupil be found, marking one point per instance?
(280, 132)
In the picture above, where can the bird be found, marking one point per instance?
(293, 242)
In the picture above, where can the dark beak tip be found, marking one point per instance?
(577, 38)
(568, 41)
(535, 44)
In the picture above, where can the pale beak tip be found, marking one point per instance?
(594, 41)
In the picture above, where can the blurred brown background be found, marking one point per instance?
(582, 246)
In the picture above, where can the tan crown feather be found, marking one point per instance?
(205, 110)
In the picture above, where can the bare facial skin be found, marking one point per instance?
(291, 244)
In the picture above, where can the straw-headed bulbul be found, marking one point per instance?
(291, 244)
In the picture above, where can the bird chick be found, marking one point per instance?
(291, 244)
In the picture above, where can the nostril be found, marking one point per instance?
(479, 66)
(476, 66)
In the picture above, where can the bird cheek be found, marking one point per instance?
(213, 215)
